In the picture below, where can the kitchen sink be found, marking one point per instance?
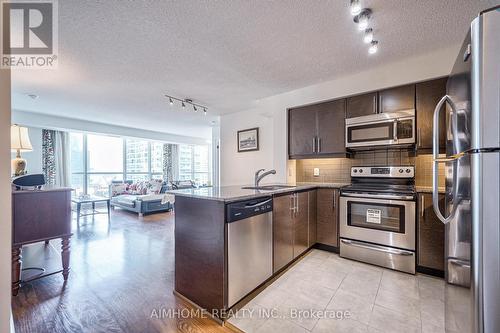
(267, 187)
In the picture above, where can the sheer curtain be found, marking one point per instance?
(56, 158)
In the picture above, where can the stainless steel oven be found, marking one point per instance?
(383, 129)
(377, 217)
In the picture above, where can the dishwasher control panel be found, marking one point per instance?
(244, 209)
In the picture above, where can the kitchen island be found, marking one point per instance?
(201, 236)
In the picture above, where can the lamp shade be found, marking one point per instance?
(19, 138)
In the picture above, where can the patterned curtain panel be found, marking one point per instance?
(169, 161)
(48, 156)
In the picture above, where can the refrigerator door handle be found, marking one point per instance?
(437, 160)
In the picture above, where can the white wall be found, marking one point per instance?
(271, 117)
(239, 168)
(5, 202)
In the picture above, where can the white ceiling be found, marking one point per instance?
(117, 58)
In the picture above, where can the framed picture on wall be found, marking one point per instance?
(248, 140)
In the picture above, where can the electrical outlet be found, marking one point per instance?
(316, 172)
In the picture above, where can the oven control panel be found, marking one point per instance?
(384, 172)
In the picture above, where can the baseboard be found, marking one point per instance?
(325, 247)
(430, 271)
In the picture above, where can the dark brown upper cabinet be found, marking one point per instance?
(396, 99)
(361, 105)
(302, 131)
(317, 130)
(428, 95)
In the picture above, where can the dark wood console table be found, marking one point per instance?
(40, 216)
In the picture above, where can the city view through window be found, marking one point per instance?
(97, 160)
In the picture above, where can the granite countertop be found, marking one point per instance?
(236, 193)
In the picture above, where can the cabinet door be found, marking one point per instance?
(430, 234)
(428, 95)
(326, 219)
(302, 131)
(282, 231)
(361, 105)
(312, 217)
(397, 99)
(301, 224)
(331, 127)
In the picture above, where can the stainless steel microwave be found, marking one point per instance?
(383, 129)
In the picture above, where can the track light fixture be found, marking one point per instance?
(362, 18)
(185, 101)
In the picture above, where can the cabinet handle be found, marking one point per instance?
(314, 144)
(419, 138)
(292, 204)
(333, 203)
(297, 208)
(375, 103)
(422, 204)
(319, 145)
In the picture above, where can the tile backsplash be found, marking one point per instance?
(337, 170)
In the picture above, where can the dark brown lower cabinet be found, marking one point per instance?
(301, 224)
(327, 217)
(294, 226)
(431, 230)
(312, 217)
(282, 231)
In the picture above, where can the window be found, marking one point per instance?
(77, 163)
(157, 159)
(104, 154)
(105, 163)
(194, 164)
(98, 160)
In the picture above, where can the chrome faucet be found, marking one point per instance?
(258, 176)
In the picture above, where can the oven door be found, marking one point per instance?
(381, 133)
(381, 221)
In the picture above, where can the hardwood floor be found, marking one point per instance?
(121, 280)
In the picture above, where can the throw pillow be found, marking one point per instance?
(117, 189)
(154, 186)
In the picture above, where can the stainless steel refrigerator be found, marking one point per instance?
(472, 180)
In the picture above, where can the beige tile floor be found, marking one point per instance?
(352, 297)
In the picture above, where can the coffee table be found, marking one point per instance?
(91, 199)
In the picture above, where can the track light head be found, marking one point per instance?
(355, 7)
(362, 18)
(373, 47)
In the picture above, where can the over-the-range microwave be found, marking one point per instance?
(381, 130)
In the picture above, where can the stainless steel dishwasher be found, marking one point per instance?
(249, 246)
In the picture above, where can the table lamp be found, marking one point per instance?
(19, 141)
